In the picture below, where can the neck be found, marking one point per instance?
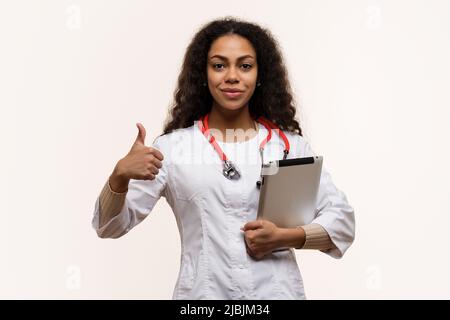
(234, 125)
(222, 119)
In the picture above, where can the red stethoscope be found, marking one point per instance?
(230, 170)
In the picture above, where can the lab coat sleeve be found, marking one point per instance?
(333, 212)
(141, 197)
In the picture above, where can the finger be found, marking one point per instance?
(249, 250)
(250, 234)
(252, 225)
(152, 159)
(149, 176)
(156, 163)
(154, 170)
(140, 139)
(158, 154)
(252, 253)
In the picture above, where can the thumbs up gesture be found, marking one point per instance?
(141, 163)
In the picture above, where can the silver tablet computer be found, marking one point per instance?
(289, 191)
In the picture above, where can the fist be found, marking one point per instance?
(261, 237)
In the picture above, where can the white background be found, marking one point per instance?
(371, 79)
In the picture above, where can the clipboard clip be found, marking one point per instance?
(268, 168)
(259, 183)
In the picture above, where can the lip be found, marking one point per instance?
(231, 90)
(232, 93)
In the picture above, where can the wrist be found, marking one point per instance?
(117, 181)
(291, 237)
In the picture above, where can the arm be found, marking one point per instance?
(132, 190)
(112, 202)
(333, 213)
(262, 237)
(310, 236)
(127, 211)
(332, 231)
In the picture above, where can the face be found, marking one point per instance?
(232, 71)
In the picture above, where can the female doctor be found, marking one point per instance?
(233, 110)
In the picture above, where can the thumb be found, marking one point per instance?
(140, 139)
(252, 225)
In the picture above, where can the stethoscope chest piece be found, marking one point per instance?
(230, 171)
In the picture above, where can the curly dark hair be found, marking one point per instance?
(272, 99)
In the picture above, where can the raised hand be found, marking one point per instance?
(141, 163)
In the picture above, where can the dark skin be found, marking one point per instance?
(262, 237)
(232, 64)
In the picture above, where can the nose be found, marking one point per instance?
(232, 76)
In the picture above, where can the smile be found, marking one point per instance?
(232, 95)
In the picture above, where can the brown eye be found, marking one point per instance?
(216, 65)
(247, 66)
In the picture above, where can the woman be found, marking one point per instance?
(233, 84)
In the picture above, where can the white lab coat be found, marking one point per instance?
(210, 210)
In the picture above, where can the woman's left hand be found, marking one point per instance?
(261, 237)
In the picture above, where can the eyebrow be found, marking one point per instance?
(225, 58)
